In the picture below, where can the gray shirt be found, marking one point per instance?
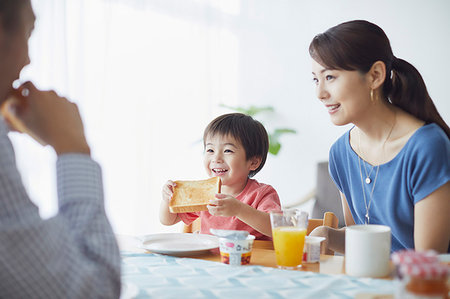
(71, 255)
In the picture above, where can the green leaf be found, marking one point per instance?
(284, 131)
(274, 148)
(252, 110)
(274, 143)
(278, 132)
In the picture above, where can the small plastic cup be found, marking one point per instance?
(236, 252)
(311, 252)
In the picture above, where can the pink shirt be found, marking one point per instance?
(259, 196)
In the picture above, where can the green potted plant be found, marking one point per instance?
(274, 135)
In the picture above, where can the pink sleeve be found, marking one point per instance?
(188, 218)
(268, 200)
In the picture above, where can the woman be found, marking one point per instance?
(393, 166)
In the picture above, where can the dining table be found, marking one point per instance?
(147, 274)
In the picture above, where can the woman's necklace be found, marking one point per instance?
(364, 192)
(368, 180)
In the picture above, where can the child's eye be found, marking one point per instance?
(228, 151)
(208, 150)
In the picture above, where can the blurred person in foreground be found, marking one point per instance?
(393, 166)
(74, 254)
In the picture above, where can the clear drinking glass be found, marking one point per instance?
(288, 232)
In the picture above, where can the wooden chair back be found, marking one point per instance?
(195, 226)
(329, 219)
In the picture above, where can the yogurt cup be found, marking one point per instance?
(236, 252)
(311, 251)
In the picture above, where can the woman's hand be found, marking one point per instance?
(224, 205)
(322, 231)
(334, 239)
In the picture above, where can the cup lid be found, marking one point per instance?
(312, 239)
(410, 256)
(426, 271)
(230, 234)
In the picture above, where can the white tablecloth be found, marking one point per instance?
(160, 276)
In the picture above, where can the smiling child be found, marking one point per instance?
(235, 149)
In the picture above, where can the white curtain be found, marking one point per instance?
(148, 76)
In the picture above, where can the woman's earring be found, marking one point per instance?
(371, 95)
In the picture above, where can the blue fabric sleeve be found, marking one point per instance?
(430, 164)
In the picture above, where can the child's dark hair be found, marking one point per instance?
(250, 132)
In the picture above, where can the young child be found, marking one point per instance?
(236, 148)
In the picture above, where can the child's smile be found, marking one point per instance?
(226, 158)
(219, 171)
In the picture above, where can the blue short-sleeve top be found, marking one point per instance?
(421, 167)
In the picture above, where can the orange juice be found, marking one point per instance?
(288, 242)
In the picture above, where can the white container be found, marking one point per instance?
(367, 250)
(311, 252)
(236, 252)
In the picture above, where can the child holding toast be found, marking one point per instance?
(235, 149)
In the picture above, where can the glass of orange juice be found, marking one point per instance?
(288, 232)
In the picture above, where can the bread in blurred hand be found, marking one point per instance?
(9, 109)
(193, 196)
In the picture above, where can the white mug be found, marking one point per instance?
(367, 250)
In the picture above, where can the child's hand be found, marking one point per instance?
(165, 216)
(224, 205)
(167, 191)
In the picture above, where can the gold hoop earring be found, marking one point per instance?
(371, 95)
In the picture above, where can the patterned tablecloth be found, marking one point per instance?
(161, 276)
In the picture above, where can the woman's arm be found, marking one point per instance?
(335, 238)
(347, 214)
(432, 221)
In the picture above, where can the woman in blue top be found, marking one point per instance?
(393, 166)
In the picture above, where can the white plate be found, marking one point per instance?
(179, 244)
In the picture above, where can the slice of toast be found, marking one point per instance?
(193, 196)
(7, 109)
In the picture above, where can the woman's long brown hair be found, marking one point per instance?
(357, 45)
